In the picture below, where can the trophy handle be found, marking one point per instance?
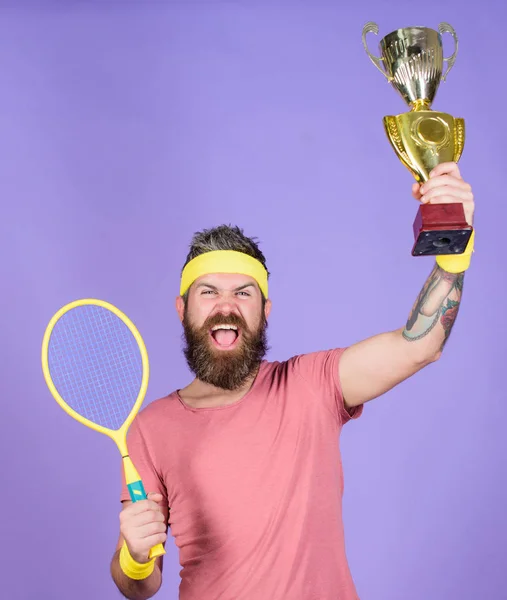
(372, 27)
(446, 28)
(459, 138)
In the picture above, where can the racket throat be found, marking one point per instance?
(131, 474)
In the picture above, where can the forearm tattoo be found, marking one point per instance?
(436, 307)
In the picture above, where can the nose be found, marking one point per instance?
(225, 307)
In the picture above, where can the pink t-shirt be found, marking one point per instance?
(255, 487)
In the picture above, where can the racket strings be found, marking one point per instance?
(95, 364)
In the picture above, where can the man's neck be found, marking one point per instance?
(199, 394)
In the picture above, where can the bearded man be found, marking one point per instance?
(243, 464)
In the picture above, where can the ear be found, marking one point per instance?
(267, 308)
(180, 307)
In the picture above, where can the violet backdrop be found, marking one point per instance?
(126, 127)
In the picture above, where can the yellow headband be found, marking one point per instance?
(224, 261)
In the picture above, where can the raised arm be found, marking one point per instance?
(373, 366)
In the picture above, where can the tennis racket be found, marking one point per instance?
(96, 367)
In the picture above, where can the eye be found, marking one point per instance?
(244, 293)
(204, 292)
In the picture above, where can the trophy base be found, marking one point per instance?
(440, 229)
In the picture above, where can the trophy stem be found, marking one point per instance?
(420, 104)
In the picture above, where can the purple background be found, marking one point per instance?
(127, 126)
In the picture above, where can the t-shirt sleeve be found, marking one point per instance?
(320, 372)
(139, 452)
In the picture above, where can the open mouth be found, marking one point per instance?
(225, 337)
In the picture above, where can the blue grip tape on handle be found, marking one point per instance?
(136, 491)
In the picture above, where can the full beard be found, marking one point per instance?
(225, 369)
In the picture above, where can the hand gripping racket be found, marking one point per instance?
(96, 366)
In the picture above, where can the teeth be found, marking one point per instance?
(217, 327)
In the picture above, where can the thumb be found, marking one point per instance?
(155, 496)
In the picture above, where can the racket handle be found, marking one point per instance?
(137, 493)
(157, 550)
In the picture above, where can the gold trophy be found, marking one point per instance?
(412, 60)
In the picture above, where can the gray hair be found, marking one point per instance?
(224, 237)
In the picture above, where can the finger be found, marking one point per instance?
(416, 191)
(444, 200)
(446, 168)
(150, 529)
(149, 516)
(134, 534)
(153, 540)
(140, 548)
(458, 194)
(445, 180)
(141, 506)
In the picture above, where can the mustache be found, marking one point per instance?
(220, 319)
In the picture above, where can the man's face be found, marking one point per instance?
(224, 326)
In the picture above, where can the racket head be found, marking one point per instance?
(96, 367)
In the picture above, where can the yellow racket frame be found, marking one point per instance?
(119, 436)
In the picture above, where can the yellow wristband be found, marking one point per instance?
(457, 263)
(132, 568)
